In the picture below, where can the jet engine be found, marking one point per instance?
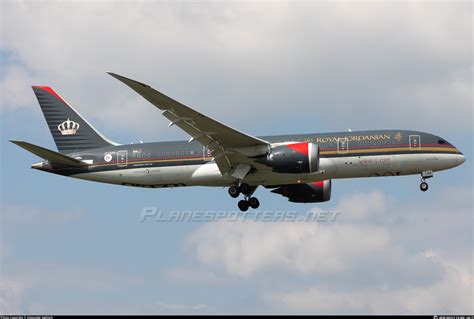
(294, 158)
(306, 193)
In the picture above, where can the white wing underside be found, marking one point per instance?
(230, 148)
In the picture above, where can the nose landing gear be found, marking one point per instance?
(247, 191)
(423, 186)
(425, 175)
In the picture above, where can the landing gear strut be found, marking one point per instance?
(425, 175)
(247, 191)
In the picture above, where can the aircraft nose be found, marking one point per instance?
(460, 159)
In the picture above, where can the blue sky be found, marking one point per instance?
(71, 246)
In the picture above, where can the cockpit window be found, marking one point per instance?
(442, 142)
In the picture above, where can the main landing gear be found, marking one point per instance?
(247, 191)
(425, 175)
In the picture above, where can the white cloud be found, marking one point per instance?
(252, 57)
(244, 249)
(452, 294)
(11, 296)
(364, 205)
(19, 287)
(380, 256)
(16, 88)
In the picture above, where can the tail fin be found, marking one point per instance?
(71, 132)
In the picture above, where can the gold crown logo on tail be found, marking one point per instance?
(68, 127)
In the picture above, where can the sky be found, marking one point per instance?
(69, 246)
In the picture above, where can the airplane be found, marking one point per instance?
(299, 167)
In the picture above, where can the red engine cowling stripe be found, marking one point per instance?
(299, 147)
(319, 184)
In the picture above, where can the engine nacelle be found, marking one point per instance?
(293, 158)
(306, 193)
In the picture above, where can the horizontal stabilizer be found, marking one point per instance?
(50, 156)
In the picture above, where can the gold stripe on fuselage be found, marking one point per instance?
(391, 150)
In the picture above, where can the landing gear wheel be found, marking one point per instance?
(424, 186)
(234, 191)
(253, 202)
(245, 189)
(243, 205)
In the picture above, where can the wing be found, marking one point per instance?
(228, 146)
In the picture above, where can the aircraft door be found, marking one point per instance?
(206, 153)
(415, 143)
(122, 158)
(342, 145)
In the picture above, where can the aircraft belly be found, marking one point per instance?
(136, 176)
(331, 168)
(417, 163)
(183, 175)
(207, 175)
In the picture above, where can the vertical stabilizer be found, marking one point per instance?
(71, 132)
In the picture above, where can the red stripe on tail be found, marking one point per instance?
(50, 91)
